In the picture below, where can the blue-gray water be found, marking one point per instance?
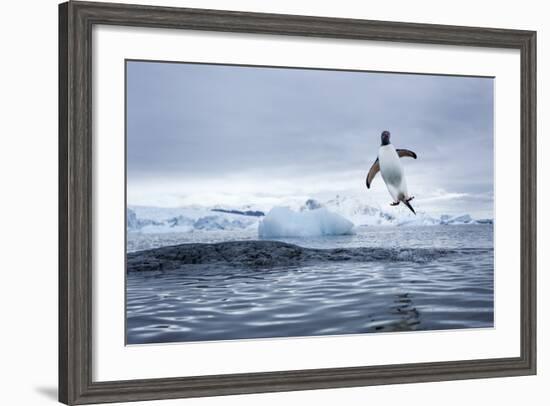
(451, 290)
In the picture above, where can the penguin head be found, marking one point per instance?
(385, 137)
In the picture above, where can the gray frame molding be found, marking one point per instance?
(75, 181)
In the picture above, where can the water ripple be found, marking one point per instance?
(436, 283)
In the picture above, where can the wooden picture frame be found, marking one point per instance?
(76, 20)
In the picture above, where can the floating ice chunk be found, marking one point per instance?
(284, 222)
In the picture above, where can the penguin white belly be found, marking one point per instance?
(392, 172)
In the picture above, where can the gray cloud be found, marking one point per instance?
(213, 125)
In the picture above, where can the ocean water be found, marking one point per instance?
(408, 290)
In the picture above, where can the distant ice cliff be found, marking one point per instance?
(310, 218)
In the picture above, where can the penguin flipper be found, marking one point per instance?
(405, 152)
(374, 169)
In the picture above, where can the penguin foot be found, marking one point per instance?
(394, 203)
(410, 198)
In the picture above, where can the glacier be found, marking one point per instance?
(285, 222)
(307, 217)
(152, 220)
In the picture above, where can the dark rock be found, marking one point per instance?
(262, 254)
(252, 213)
(312, 204)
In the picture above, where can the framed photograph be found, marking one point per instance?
(258, 202)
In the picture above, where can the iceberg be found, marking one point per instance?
(133, 222)
(284, 222)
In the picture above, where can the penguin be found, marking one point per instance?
(389, 165)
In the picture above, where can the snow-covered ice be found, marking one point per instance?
(304, 217)
(151, 220)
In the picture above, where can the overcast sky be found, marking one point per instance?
(229, 135)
